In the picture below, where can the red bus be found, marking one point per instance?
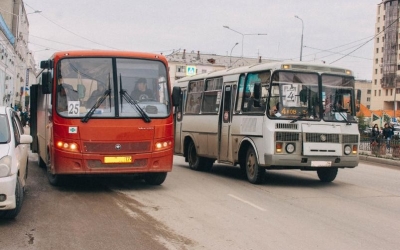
(103, 112)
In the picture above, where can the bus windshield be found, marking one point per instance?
(297, 96)
(93, 84)
(294, 96)
(336, 98)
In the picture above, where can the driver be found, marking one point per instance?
(140, 91)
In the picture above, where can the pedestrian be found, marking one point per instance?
(374, 133)
(387, 134)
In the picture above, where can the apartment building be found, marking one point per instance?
(385, 91)
(365, 87)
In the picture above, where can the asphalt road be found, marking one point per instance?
(217, 210)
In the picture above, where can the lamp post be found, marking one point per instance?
(230, 56)
(258, 34)
(302, 30)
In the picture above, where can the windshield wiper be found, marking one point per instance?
(340, 113)
(132, 102)
(298, 118)
(96, 105)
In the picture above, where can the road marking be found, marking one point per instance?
(247, 202)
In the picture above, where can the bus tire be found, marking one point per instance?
(19, 198)
(327, 174)
(54, 179)
(196, 162)
(40, 161)
(255, 173)
(155, 178)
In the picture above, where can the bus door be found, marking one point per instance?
(225, 122)
(178, 115)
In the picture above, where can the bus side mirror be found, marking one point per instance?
(257, 94)
(176, 96)
(48, 64)
(46, 83)
(358, 100)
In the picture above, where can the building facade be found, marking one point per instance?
(17, 66)
(365, 87)
(385, 91)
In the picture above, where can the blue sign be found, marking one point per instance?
(190, 70)
(394, 119)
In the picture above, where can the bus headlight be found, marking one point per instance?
(290, 148)
(163, 145)
(347, 150)
(68, 146)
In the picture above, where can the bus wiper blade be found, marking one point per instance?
(298, 118)
(340, 113)
(96, 105)
(132, 102)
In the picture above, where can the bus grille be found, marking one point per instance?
(124, 147)
(286, 126)
(350, 138)
(99, 164)
(330, 138)
(286, 136)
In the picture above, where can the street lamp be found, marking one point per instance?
(302, 30)
(258, 34)
(230, 56)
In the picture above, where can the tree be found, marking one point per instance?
(362, 125)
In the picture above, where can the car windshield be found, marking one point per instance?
(4, 129)
(84, 84)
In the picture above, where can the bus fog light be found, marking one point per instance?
(290, 148)
(347, 150)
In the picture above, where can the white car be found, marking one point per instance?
(14, 146)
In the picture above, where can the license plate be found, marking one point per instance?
(118, 159)
(321, 163)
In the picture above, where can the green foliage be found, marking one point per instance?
(362, 125)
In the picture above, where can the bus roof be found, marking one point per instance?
(285, 65)
(108, 53)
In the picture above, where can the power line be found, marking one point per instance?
(71, 31)
(362, 45)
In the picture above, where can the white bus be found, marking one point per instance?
(286, 115)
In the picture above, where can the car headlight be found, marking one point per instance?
(5, 166)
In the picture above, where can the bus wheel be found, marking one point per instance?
(327, 174)
(155, 178)
(54, 179)
(196, 162)
(255, 174)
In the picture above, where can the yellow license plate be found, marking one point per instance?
(118, 159)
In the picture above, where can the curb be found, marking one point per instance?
(384, 161)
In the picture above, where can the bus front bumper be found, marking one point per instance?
(286, 161)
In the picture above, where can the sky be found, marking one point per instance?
(339, 33)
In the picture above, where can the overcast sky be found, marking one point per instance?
(332, 29)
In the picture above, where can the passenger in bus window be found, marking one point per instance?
(141, 92)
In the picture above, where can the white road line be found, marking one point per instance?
(247, 202)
